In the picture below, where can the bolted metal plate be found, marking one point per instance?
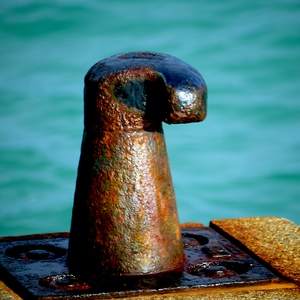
(35, 268)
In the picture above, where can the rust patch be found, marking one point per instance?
(276, 241)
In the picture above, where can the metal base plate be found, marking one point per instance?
(35, 268)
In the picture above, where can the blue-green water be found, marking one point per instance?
(243, 160)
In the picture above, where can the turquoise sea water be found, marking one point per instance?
(243, 160)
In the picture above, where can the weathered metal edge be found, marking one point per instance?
(274, 242)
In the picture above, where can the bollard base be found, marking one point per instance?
(35, 267)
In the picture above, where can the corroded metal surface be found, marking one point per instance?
(125, 218)
(274, 240)
(37, 269)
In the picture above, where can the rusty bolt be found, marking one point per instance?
(125, 219)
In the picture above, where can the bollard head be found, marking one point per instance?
(152, 87)
(125, 219)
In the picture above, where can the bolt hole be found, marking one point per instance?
(35, 252)
(215, 251)
(65, 282)
(219, 269)
(191, 240)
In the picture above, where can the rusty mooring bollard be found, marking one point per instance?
(125, 218)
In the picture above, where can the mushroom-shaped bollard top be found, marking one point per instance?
(125, 219)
